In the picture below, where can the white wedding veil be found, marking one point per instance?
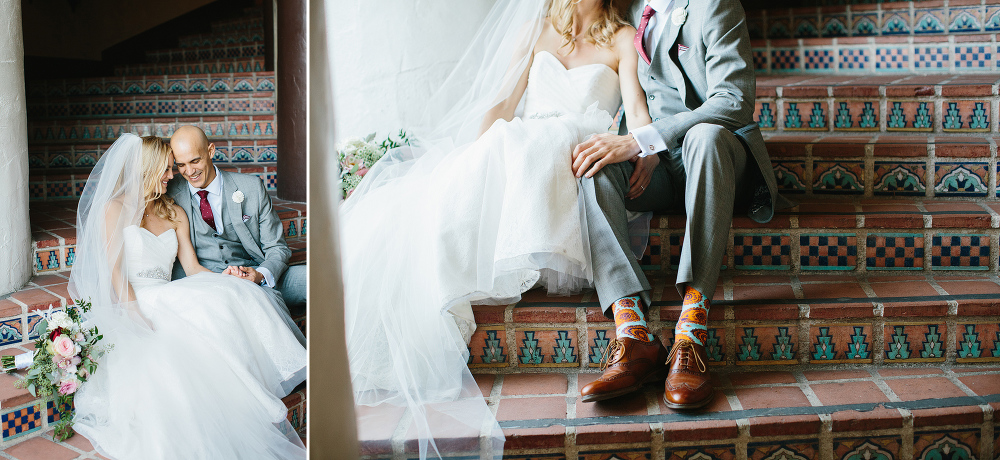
(111, 201)
(445, 409)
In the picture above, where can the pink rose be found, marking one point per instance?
(68, 386)
(362, 172)
(64, 346)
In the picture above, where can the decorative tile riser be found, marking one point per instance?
(932, 19)
(33, 419)
(974, 112)
(859, 56)
(925, 443)
(72, 159)
(750, 344)
(840, 250)
(246, 102)
(255, 64)
(221, 39)
(183, 55)
(256, 22)
(885, 166)
(104, 131)
(92, 90)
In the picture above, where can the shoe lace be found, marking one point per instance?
(685, 351)
(613, 348)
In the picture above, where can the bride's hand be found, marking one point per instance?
(601, 150)
(641, 175)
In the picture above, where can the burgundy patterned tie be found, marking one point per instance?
(206, 209)
(640, 45)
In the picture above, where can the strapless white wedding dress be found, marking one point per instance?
(480, 223)
(206, 383)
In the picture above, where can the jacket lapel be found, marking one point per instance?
(234, 213)
(666, 47)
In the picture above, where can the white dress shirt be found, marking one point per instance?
(647, 137)
(214, 189)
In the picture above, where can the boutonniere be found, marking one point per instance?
(238, 197)
(678, 16)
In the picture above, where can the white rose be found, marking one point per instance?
(238, 196)
(678, 16)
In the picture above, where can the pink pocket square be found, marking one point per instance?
(681, 48)
(246, 218)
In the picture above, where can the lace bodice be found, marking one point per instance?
(149, 257)
(554, 90)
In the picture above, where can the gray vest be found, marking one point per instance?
(215, 252)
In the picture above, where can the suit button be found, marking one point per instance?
(652, 77)
(221, 247)
(651, 97)
(225, 261)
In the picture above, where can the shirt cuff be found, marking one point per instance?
(649, 140)
(268, 277)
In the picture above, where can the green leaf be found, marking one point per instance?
(31, 389)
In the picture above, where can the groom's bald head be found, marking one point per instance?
(193, 155)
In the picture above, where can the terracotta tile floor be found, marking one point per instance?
(772, 403)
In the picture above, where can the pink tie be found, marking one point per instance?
(639, 43)
(206, 209)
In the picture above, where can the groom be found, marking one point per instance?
(234, 228)
(702, 155)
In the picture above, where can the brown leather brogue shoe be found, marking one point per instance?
(688, 385)
(628, 364)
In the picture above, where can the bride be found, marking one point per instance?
(199, 365)
(483, 209)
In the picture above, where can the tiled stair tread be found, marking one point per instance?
(221, 38)
(809, 412)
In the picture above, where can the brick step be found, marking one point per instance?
(254, 64)
(883, 165)
(965, 54)
(202, 53)
(865, 412)
(98, 131)
(53, 226)
(944, 104)
(222, 102)
(933, 19)
(221, 38)
(66, 91)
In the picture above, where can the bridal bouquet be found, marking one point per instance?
(64, 358)
(358, 155)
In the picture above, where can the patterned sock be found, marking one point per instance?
(694, 318)
(629, 320)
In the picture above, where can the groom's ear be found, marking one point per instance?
(211, 151)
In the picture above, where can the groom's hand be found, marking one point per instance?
(641, 175)
(601, 150)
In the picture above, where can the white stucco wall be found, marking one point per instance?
(15, 234)
(390, 55)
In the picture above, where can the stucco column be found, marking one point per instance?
(15, 231)
(291, 79)
(332, 429)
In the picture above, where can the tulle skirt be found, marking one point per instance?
(206, 383)
(425, 235)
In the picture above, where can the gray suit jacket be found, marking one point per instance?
(261, 233)
(716, 82)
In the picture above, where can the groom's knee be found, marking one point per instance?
(292, 287)
(613, 178)
(707, 143)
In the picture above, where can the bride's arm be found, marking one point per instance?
(505, 108)
(633, 97)
(119, 280)
(185, 250)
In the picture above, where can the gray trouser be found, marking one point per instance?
(703, 178)
(292, 286)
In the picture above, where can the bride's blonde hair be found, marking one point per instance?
(601, 32)
(155, 155)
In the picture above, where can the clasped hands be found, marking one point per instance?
(247, 273)
(601, 150)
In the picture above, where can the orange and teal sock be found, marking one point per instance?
(629, 319)
(693, 323)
